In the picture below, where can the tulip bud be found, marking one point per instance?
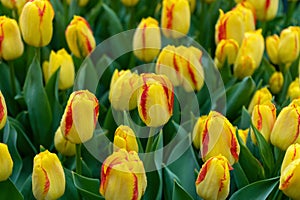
(217, 136)
(276, 82)
(265, 9)
(286, 128)
(6, 166)
(193, 5)
(175, 18)
(227, 50)
(155, 99)
(48, 177)
(213, 181)
(245, 8)
(3, 111)
(263, 118)
(247, 60)
(288, 49)
(292, 153)
(125, 139)
(36, 23)
(123, 176)
(123, 90)
(129, 2)
(80, 37)
(272, 44)
(294, 89)
(261, 96)
(146, 40)
(198, 128)
(67, 71)
(62, 145)
(81, 3)
(11, 45)
(243, 134)
(14, 4)
(80, 117)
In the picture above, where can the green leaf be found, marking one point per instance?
(179, 193)
(239, 176)
(245, 119)
(39, 110)
(169, 181)
(26, 189)
(88, 187)
(9, 191)
(114, 24)
(287, 81)
(257, 190)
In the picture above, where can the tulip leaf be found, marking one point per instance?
(257, 190)
(239, 176)
(39, 109)
(169, 177)
(115, 25)
(88, 187)
(180, 193)
(287, 81)
(9, 191)
(245, 119)
(26, 189)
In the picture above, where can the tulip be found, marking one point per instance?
(213, 181)
(247, 60)
(193, 5)
(146, 40)
(80, 37)
(217, 136)
(265, 9)
(129, 2)
(263, 118)
(175, 18)
(292, 153)
(3, 111)
(62, 145)
(125, 139)
(123, 90)
(294, 89)
(14, 4)
(272, 45)
(226, 50)
(6, 166)
(248, 13)
(36, 23)
(261, 96)
(11, 45)
(276, 82)
(243, 134)
(198, 129)
(286, 128)
(67, 71)
(155, 100)
(81, 3)
(48, 177)
(80, 117)
(123, 176)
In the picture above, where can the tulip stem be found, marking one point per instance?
(150, 139)
(38, 54)
(12, 77)
(78, 159)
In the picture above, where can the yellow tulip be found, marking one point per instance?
(123, 90)
(248, 14)
(175, 18)
(11, 45)
(198, 129)
(67, 71)
(276, 82)
(129, 2)
(213, 181)
(80, 117)
(193, 4)
(155, 99)
(294, 89)
(80, 37)
(36, 23)
(81, 3)
(247, 60)
(48, 177)
(6, 166)
(62, 145)
(125, 139)
(14, 4)
(272, 45)
(123, 176)
(265, 9)
(261, 96)
(146, 40)
(3, 111)
(243, 134)
(226, 50)
(292, 153)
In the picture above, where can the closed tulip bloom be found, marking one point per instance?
(48, 177)
(276, 82)
(36, 23)
(80, 117)
(175, 18)
(243, 134)
(129, 2)
(11, 45)
(292, 153)
(263, 118)
(294, 89)
(288, 49)
(213, 181)
(218, 137)
(290, 180)
(245, 8)
(286, 128)
(261, 96)
(265, 9)
(12, 4)
(198, 129)
(80, 37)
(155, 99)
(123, 176)
(67, 71)
(81, 3)
(272, 45)
(125, 139)
(3, 111)
(123, 90)
(62, 145)
(6, 166)
(146, 40)
(226, 50)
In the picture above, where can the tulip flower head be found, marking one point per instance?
(6, 161)
(265, 9)
(81, 3)
(294, 89)
(276, 82)
(261, 96)
(3, 111)
(129, 2)
(62, 145)
(125, 138)
(226, 50)
(272, 45)
(14, 4)
(198, 129)
(243, 134)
